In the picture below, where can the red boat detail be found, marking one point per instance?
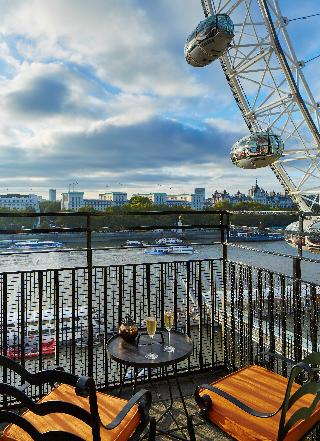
(32, 350)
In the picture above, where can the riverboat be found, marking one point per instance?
(134, 244)
(71, 327)
(6, 243)
(181, 249)
(160, 251)
(31, 349)
(253, 235)
(169, 241)
(35, 244)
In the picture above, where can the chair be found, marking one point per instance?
(72, 410)
(255, 403)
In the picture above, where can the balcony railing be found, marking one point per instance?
(230, 308)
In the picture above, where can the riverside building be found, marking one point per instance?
(74, 200)
(194, 200)
(255, 194)
(52, 195)
(19, 201)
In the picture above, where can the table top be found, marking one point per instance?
(133, 354)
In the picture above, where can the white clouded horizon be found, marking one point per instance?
(99, 92)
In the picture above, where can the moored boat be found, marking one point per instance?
(6, 243)
(169, 241)
(253, 235)
(134, 244)
(181, 249)
(31, 349)
(157, 250)
(35, 244)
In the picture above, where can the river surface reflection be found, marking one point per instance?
(72, 258)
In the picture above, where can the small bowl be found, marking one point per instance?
(128, 333)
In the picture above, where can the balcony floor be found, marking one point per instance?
(161, 400)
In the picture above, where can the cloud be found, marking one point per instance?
(46, 96)
(99, 92)
(175, 153)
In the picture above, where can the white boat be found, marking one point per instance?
(181, 249)
(6, 243)
(79, 319)
(134, 244)
(169, 241)
(160, 251)
(35, 244)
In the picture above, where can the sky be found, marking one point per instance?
(97, 95)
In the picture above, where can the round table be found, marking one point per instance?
(133, 354)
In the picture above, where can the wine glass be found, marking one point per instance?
(151, 328)
(168, 323)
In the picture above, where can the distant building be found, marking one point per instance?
(155, 198)
(200, 193)
(195, 200)
(19, 201)
(74, 200)
(255, 194)
(97, 204)
(118, 198)
(52, 195)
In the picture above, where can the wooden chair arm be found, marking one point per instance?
(46, 407)
(204, 403)
(9, 417)
(143, 398)
(53, 374)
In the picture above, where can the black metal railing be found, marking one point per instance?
(232, 310)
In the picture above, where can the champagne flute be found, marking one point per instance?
(168, 323)
(151, 328)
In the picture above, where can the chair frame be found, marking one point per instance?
(304, 373)
(84, 387)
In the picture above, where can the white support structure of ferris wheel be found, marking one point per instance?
(270, 88)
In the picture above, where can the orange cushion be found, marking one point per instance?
(263, 391)
(109, 407)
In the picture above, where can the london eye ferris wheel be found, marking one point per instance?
(268, 82)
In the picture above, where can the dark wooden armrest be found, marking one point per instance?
(203, 401)
(51, 375)
(143, 398)
(45, 407)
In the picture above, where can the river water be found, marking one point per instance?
(71, 258)
(76, 258)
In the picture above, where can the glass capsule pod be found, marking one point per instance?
(257, 150)
(209, 40)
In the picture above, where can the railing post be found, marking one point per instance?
(188, 330)
(22, 319)
(272, 340)
(200, 307)
(283, 312)
(224, 299)
(4, 329)
(250, 316)
(240, 317)
(313, 318)
(40, 310)
(297, 308)
(57, 314)
(300, 232)
(89, 269)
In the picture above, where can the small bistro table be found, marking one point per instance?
(133, 355)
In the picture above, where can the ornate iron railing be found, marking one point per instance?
(232, 310)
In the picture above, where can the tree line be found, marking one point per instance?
(120, 218)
